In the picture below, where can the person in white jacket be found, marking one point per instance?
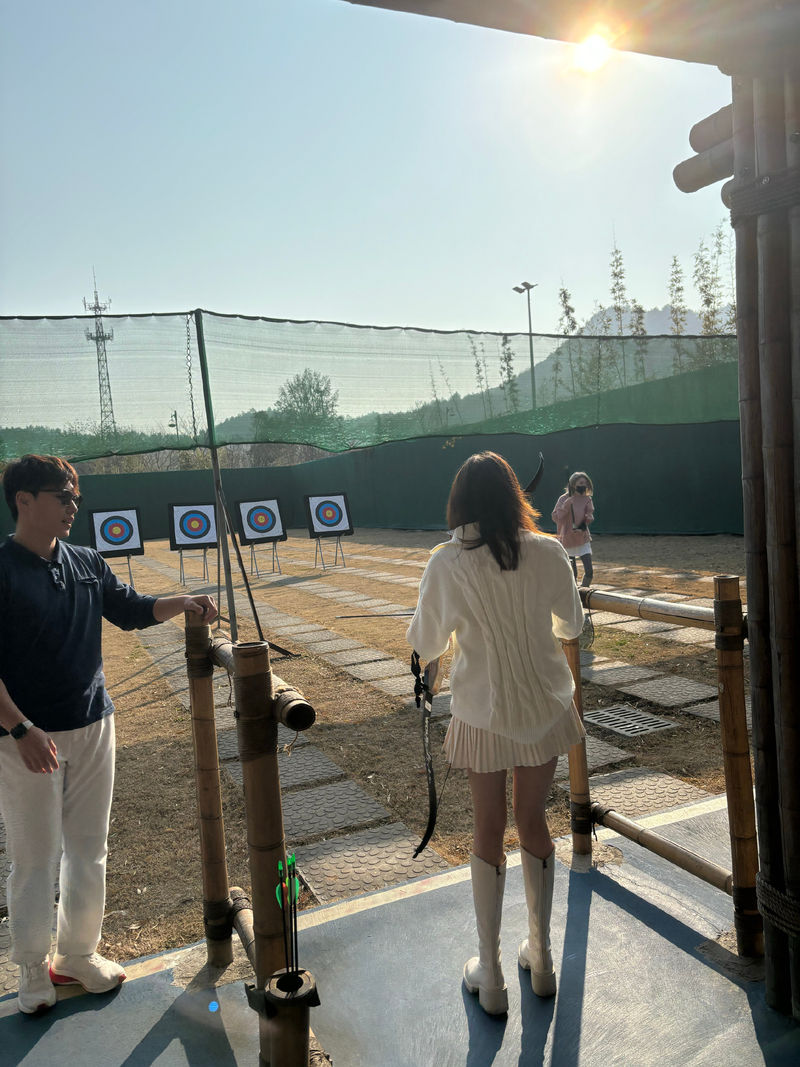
(507, 594)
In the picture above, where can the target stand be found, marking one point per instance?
(328, 516)
(192, 526)
(116, 533)
(182, 573)
(260, 523)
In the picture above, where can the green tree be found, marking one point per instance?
(568, 326)
(677, 313)
(309, 395)
(508, 379)
(639, 332)
(479, 377)
(619, 304)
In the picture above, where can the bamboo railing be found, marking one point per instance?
(726, 619)
(262, 701)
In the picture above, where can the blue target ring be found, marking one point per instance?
(116, 530)
(194, 524)
(328, 513)
(261, 519)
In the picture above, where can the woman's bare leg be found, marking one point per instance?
(489, 815)
(531, 788)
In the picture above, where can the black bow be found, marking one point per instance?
(531, 487)
(425, 687)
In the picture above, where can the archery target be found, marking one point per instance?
(328, 516)
(261, 521)
(193, 526)
(116, 532)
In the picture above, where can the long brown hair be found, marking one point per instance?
(486, 491)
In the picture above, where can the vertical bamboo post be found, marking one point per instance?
(579, 800)
(780, 489)
(258, 753)
(216, 897)
(736, 760)
(776, 964)
(790, 724)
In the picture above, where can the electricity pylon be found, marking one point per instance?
(108, 428)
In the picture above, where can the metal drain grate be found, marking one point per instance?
(623, 719)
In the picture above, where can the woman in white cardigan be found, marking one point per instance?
(507, 594)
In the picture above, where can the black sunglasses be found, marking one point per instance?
(57, 576)
(65, 496)
(581, 488)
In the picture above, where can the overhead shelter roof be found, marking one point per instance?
(731, 34)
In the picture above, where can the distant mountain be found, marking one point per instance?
(656, 320)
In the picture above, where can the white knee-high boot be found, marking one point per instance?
(534, 952)
(483, 973)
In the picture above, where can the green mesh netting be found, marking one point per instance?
(84, 388)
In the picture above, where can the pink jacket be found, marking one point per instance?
(571, 511)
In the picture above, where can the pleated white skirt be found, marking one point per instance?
(471, 748)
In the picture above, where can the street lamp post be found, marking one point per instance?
(173, 423)
(525, 287)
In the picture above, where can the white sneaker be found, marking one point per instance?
(95, 973)
(36, 992)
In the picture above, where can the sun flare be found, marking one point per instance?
(592, 53)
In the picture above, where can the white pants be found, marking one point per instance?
(45, 813)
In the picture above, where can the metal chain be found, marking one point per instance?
(189, 374)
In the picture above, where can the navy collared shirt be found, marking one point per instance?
(51, 614)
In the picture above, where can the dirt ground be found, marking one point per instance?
(154, 886)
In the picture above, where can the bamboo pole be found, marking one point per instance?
(772, 237)
(216, 898)
(258, 752)
(776, 964)
(682, 857)
(579, 799)
(736, 760)
(649, 608)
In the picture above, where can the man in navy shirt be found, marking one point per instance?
(57, 727)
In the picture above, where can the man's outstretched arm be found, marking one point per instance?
(167, 607)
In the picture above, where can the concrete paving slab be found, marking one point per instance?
(395, 687)
(359, 654)
(670, 691)
(590, 659)
(310, 814)
(385, 668)
(364, 861)
(292, 737)
(598, 754)
(637, 791)
(644, 626)
(710, 710)
(691, 635)
(306, 766)
(616, 676)
(336, 644)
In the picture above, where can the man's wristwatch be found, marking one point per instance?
(19, 731)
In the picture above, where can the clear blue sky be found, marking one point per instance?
(313, 159)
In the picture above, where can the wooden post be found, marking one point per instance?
(776, 963)
(216, 897)
(258, 753)
(736, 760)
(780, 488)
(579, 800)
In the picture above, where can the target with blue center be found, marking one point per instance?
(328, 516)
(193, 526)
(116, 533)
(260, 521)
